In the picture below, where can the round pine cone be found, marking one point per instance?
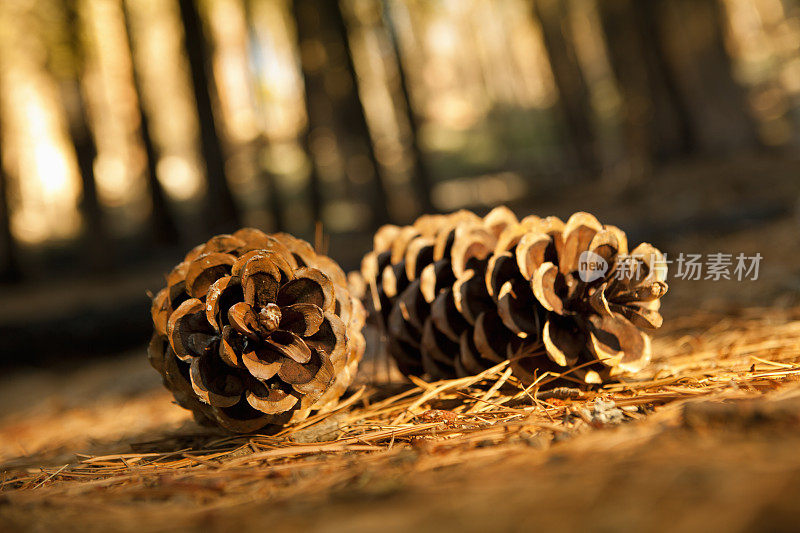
(254, 330)
(458, 293)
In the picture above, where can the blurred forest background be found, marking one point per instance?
(131, 130)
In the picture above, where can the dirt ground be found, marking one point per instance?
(696, 453)
(705, 439)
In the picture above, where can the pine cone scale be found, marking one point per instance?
(301, 319)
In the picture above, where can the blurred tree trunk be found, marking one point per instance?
(275, 203)
(9, 267)
(420, 176)
(655, 121)
(317, 105)
(573, 94)
(333, 102)
(675, 78)
(163, 229)
(220, 212)
(69, 75)
(692, 35)
(261, 148)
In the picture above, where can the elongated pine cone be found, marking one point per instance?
(457, 294)
(256, 330)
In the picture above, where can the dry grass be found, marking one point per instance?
(450, 451)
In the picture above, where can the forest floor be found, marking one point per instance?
(705, 439)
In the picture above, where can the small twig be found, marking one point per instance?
(51, 476)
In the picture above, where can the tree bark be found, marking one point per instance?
(220, 212)
(162, 225)
(573, 94)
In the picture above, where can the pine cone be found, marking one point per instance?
(254, 330)
(457, 294)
